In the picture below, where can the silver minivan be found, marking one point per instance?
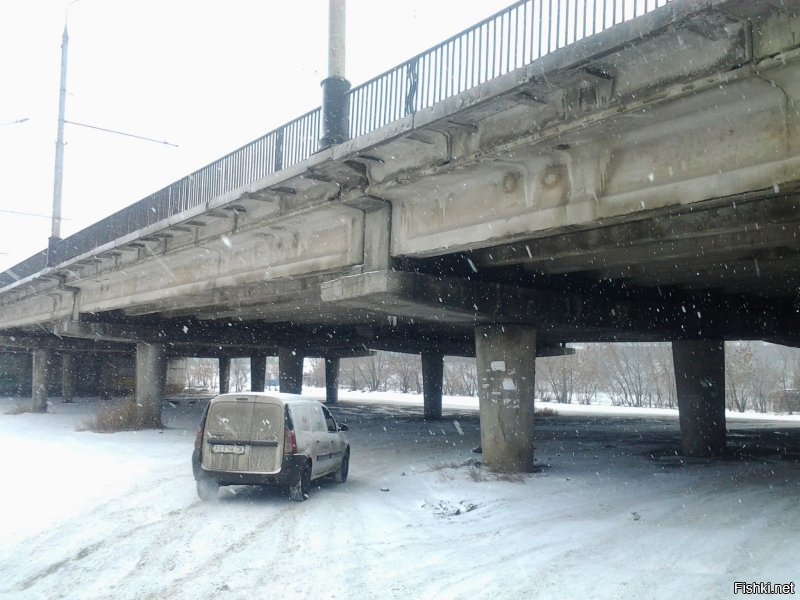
(258, 438)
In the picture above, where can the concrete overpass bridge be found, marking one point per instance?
(561, 172)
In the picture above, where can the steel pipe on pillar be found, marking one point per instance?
(331, 380)
(506, 359)
(700, 383)
(432, 375)
(42, 359)
(290, 371)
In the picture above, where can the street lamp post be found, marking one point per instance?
(58, 178)
(335, 88)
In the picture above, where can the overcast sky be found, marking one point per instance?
(208, 75)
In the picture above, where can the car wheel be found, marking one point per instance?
(207, 488)
(298, 491)
(340, 476)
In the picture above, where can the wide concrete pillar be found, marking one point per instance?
(68, 376)
(151, 377)
(432, 375)
(42, 359)
(700, 382)
(290, 371)
(331, 380)
(258, 372)
(506, 356)
(225, 374)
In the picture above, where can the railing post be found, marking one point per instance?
(412, 74)
(279, 149)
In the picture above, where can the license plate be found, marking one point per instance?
(227, 449)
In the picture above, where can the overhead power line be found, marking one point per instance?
(138, 137)
(25, 214)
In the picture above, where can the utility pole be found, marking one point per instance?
(335, 88)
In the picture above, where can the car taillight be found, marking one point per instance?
(198, 440)
(289, 441)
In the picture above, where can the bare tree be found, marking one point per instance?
(587, 373)
(460, 376)
(627, 374)
(203, 373)
(315, 373)
(402, 371)
(559, 375)
(739, 372)
(240, 373)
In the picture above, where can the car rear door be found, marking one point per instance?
(266, 430)
(227, 431)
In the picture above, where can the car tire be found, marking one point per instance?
(340, 476)
(298, 491)
(207, 488)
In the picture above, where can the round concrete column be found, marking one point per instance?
(506, 359)
(258, 372)
(67, 377)
(332, 380)
(151, 376)
(224, 374)
(700, 383)
(42, 358)
(290, 371)
(432, 375)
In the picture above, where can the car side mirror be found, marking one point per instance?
(343, 427)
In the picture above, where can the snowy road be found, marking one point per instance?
(613, 513)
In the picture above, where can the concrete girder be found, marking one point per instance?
(27, 342)
(258, 293)
(466, 302)
(739, 222)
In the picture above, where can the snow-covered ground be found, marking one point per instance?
(612, 513)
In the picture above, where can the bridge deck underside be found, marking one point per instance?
(638, 185)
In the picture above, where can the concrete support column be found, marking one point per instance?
(331, 380)
(290, 371)
(700, 382)
(41, 373)
(107, 371)
(225, 374)
(506, 357)
(67, 377)
(151, 376)
(258, 372)
(25, 381)
(432, 375)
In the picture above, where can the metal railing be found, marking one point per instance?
(512, 38)
(508, 40)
